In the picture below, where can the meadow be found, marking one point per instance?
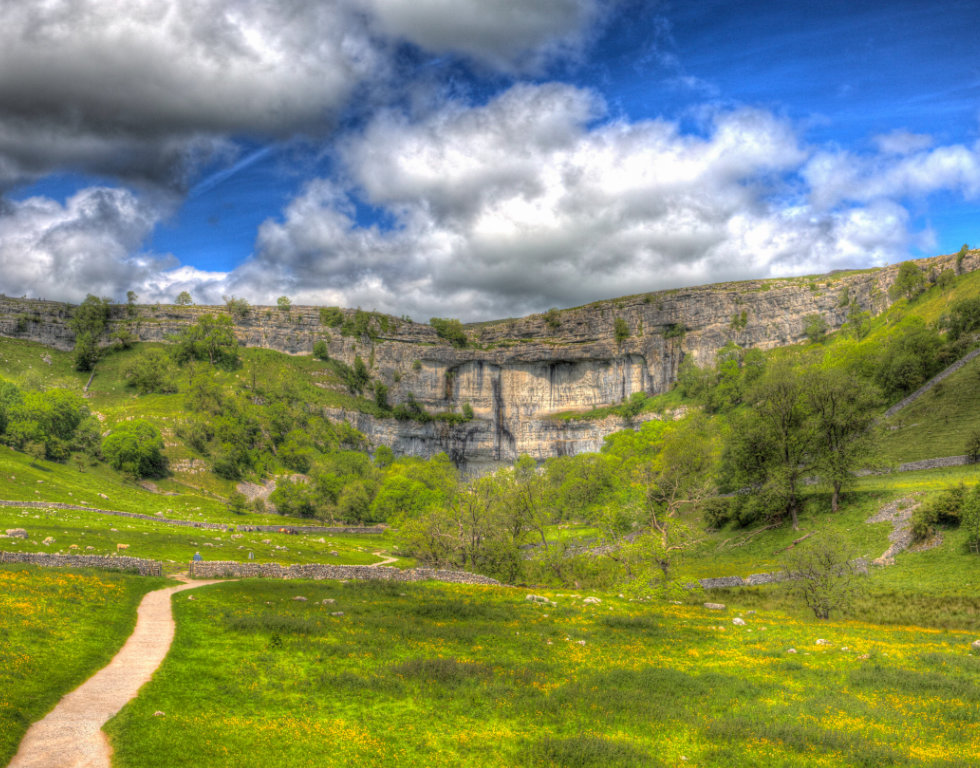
(56, 629)
(438, 675)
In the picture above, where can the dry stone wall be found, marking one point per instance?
(204, 569)
(138, 564)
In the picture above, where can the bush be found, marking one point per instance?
(621, 330)
(238, 308)
(237, 503)
(332, 317)
(320, 350)
(451, 330)
(284, 303)
(944, 509)
(814, 328)
(152, 371)
(88, 321)
(135, 447)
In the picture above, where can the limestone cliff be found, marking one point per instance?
(516, 374)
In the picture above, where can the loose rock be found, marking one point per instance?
(821, 641)
(539, 599)
(17, 533)
(715, 606)
(738, 622)
(299, 599)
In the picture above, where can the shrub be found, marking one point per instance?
(451, 330)
(88, 321)
(552, 319)
(135, 447)
(237, 503)
(675, 331)
(944, 509)
(152, 371)
(381, 396)
(814, 328)
(909, 282)
(284, 303)
(621, 330)
(332, 316)
(973, 447)
(824, 574)
(238, 308)
(320, 350)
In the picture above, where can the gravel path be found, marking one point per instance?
(70, 736)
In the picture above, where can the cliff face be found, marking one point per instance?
(516, 374)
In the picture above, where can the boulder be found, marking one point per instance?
(591, 601)
(821, 641)
(738, 622)
(715, 606)
(539, 599)
(17, 533)
(299, 599)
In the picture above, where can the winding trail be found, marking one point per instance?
(71, 736)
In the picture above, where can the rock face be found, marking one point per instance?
(517, 374)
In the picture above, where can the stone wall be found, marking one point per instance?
(138, 564)
(226, 569)
(338, 530)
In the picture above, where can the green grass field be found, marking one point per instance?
(56, 629)
(442, 675)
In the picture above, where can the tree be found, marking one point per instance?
(842, 407)
(88, 321)
(909, 282)
(320, 350)
(284, 303)
(135, 447)
(451, 330)
(814, 328)
(151, 371)
(824, 574)
(131, 297)
(970, 519)
(771, 446)
(237, 503)
(183, 299)
(210, 338)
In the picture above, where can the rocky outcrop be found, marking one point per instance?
(517, 374)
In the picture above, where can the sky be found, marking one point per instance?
(476, 158)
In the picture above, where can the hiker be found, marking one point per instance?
(197, 557)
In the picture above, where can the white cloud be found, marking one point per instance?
(522, 204)
(91, 244)
(835, 177)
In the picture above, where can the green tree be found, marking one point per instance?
(825, 575)
(237, 503)
(451, 330)
(88, 321)
(843, 411)
(909, 282)
(151, 371)
(970, 519)
(771, 446)
(284, 303)
(183, 299)
(814, 328)
(210, 338)
(50, 418)
(10, 397)
(381, 395)
(135, 447)
(320, 350)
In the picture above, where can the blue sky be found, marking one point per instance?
(476, 159)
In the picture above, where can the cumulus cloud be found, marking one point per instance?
(836, 176)
(526, 202)
(136, 89)
(90, 244)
